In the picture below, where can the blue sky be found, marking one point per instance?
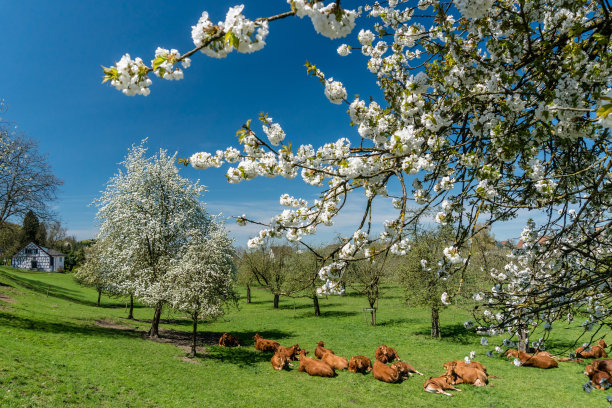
(51, 82)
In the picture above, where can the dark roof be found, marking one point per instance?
(53, 252)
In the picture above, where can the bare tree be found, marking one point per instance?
(26, 180)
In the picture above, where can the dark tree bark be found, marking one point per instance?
(131, 313)
(248, 293)
(154, 331)
(317, 311)
(276, 298)
(435, 323)
(99, 296)
(195, 332)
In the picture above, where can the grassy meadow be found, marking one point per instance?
(58, 349)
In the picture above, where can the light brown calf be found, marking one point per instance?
(320, 350)
(383, 372)
(603, 365)
(291, 352)
(314, 367)
(386, 354)
(280, 360)
(597, 376)
(334, 361)
(465, 374)
(360, 364)
(462, 363)
(537, 361)
(262, 344)
(404, 369)
(437, 385)
(596, 351)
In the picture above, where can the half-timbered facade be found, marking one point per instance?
(35, 257)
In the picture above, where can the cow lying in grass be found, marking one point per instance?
(437, 385)
(228, 340)
(320, 350)
(404, 369)
(262, 344)
(538, 360)
(314, 367)
(601, 379)
(385, 373)
(595, 351)
(291, 352)
(360, 364)
(602, 365)
(460, 372)
(280, 360)
(334, 361)
(386, 354)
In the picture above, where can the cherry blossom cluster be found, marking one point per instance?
(129, 76)
(163, 64)
(235, 33)
(330, 21)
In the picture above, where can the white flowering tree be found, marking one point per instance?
(146, 213)
(200, 280)
(490, 108)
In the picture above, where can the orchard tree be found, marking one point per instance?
(366, 277)
(424, 278)
(269, 267)
(146, 214)
(94, 272)
(27, 183)
(490, 107)
(200, 280)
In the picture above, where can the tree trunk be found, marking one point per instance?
(195, 331)
(435, 323)
(523, 339)
(248, 293)
(154, 332)
(276, 297)
(131, 313)
(317, 311)
(99, 296)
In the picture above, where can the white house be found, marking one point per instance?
(33, 256)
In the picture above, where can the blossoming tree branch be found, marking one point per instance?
(491, 108)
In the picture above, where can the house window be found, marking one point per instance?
(31, 251)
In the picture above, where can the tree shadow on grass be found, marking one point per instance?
(454, 333)
(240, 356)
(396, 322)
(24, 323)
(328, 313)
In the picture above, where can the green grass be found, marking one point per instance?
(52, 353)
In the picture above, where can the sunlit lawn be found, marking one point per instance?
(53, 353)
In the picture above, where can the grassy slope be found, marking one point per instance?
(53, 354)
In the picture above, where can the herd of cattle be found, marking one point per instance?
(457, 372)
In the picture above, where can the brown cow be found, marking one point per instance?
(334, 361)
(437, 385)
(383, 372)
(603, 365)
(314, 367)
(321, 350)
(291, 352)
(404, 369)
(228, 340)
(597, 376)
(360, 364)
(462, 363)
(537, 361)
(262, 344)
(280, 360)
(458, 373)
(596, 351)
(386, 354)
